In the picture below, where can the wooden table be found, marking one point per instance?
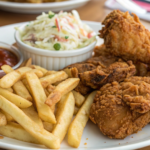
(93, 11)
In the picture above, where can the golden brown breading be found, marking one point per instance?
(125, 37)
(80, 68)
(107, 72)
(111, 113)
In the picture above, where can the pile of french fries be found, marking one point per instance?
(37, 106)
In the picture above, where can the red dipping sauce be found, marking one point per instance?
(7, 58)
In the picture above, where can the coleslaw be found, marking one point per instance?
(58, 32)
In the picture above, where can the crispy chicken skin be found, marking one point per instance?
(107, 71)
(80, 68)
(115, 115)
(125, 37)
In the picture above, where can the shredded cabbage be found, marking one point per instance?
(65, 29)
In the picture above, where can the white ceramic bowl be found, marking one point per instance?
(53, 60)
(15, 51)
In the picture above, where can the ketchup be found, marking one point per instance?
(7, 58)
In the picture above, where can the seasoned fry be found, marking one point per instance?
(48, 126)
(77, 126)
(9, 118)
(21, 90)
(62, 89)
(33, 115)
(50, 88)
(38, 72)
(40, 68)
(50, 79)
(79, 99)
(15, 99)
(3, 120)
(44, 111)
(30, 126)
(64, 115)
(7, 69)
(76, 109)
(15, 131)
(28, 62)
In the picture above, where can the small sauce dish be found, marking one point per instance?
(9, 55)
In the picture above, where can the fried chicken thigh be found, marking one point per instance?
(107, 72)
(125, 37)
(121, 109)
(97, 71)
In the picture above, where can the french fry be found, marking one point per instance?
(15, 99)
(77, 126)
(79, 99)
(50, 88)
(38, 72)
(21, 90)
(28, 62)
(50, 72)
(9, 79)
(64, 114)
(18, 87)
(46, 92)
(26, 85)
(23, 70)
(72, 72)
(76, 109)
(7, 69)
(23, 64)
(33, 115)
(3, 120)
(43, 136)
(15, 131)
(12, 77)
(48, 126)
(9, 118)
(10, 90)
(40, 68)
(62, 89)
(50, 79)
(44, 111)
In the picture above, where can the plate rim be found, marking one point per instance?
(133, 145)
(43, 5)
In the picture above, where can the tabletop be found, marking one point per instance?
(92, 11)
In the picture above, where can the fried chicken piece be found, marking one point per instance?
(106, 72)
(80, 68)
(100, 50)
(112, 112)
(125, 37)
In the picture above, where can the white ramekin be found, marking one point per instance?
(53, 60)
(16, 52)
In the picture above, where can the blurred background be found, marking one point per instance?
(15, 11)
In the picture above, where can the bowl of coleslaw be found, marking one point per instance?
(54, 40)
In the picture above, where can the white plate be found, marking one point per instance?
(96, 140)
(43, 7)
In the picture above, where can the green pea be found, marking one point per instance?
(57, 46)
